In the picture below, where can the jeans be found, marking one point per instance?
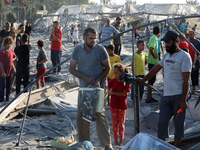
(21, 74)
(168, 109)
(55, 59)
(118, 48)
(5, 83)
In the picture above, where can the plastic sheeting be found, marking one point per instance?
(168, 9)
(144, 141)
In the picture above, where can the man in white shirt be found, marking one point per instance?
(177, 69)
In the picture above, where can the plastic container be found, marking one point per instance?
(100, 97)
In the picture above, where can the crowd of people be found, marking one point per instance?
(14, 58)
(99, 65)
(95, 64)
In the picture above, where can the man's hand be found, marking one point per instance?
(183, 105)
(110, 92)
(97, 84)
(141, 80)
(198, 58)
(3, 75)
(155, 56)
(91, 81)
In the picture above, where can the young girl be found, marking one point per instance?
(7, 56)
(118, 104)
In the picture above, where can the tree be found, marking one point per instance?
(4, 10)
(11, 17)
(133, 2)
(192, 2)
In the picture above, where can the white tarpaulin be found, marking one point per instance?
(144, 141)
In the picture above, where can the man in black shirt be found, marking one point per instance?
(20, 34)
(118, 39)
(28, 30)
(5, 32)
(23, 65)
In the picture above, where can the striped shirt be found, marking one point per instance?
(107, 31)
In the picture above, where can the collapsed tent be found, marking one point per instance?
(145, 141)
(93, 15)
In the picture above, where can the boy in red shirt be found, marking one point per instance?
(56, 46)
(7, 56)
(118, 104)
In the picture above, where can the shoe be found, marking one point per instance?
(116, 142)
(52, 72)
(148, 101)
(12, 89)
(121, 143)
(58, 73)
(154, 100)
(107, 148)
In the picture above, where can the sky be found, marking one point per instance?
(122, 2)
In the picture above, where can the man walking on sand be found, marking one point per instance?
(177, 68)
(56, 46)
(90, 63)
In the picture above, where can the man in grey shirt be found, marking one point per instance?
(93, 66)
(106, 32)
(177, 68)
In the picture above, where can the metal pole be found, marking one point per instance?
(137, 109)
(133, 86)
(22, 126)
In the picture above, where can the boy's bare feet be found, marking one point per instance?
(116, 142)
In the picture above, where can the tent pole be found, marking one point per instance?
(136, 108)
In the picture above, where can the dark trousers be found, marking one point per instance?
(55, 59)
(141, 87)
(21, 74)
(118, 48)
(5, 83)
(153, 79)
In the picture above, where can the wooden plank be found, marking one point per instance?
(37, 97)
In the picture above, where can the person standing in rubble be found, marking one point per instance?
(118, 39)
(177, 69)
(56, 46)
(90, 63)
(106, 32)
(75, 35)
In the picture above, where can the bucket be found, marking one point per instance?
(100, 97)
